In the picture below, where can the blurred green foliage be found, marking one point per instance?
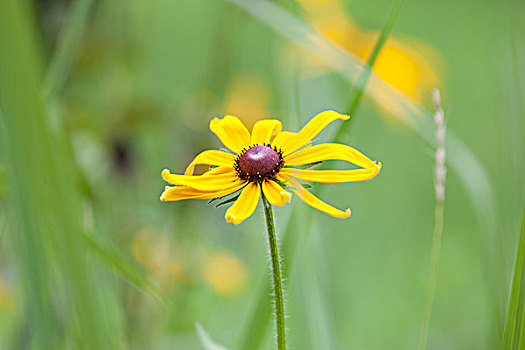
(96, 98)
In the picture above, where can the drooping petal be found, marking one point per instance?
(245, 205)
(263, 131)
(203, 182)
(231, 131)
(218, 170)
(329, 151)
(178, 193)
(275, 194)
(211, 157)
(310, 130)
(333, 176)
(283, 177)
(316, 203)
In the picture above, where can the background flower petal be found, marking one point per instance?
(231, 131)
(245, 205)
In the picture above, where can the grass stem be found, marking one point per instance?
(438, 218)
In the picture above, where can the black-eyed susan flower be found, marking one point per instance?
(267, 161)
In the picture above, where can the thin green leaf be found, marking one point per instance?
(111, 256)
(229, 200)
(64, 55)
(362, 81)
(514, 330)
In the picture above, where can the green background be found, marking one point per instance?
(89, 256)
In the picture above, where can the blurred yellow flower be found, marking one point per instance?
(7, 300)
(248, 95)
(407, 65)
(266, 161)
(153, 249)
(224, 273)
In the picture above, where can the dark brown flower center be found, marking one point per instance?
(258, 163)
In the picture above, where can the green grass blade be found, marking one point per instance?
(362, 81)
(516, 298)
(206, 341)
(64, 55)
(29, 248)
(54, 81)
(110, 255)
(46, 230)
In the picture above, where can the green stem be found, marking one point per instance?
(277, 276)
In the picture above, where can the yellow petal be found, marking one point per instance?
(332, 176)
(316, 203)
(275, 194)
(310, 130)
(283, 138)
(202, 182)
(245, 205)
(211, 157)
(263, 131)
(283, 177)
(218, 170)
(329, 151)
(232, 133)
(178, 193)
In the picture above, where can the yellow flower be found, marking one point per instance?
(266, 161)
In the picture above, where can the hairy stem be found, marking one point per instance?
(277, 276)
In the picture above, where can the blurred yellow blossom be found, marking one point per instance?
(153, 249)
(224, 273)
(407, 65)
(7, 300)
(248, 95)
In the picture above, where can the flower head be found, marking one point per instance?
(267, 161)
